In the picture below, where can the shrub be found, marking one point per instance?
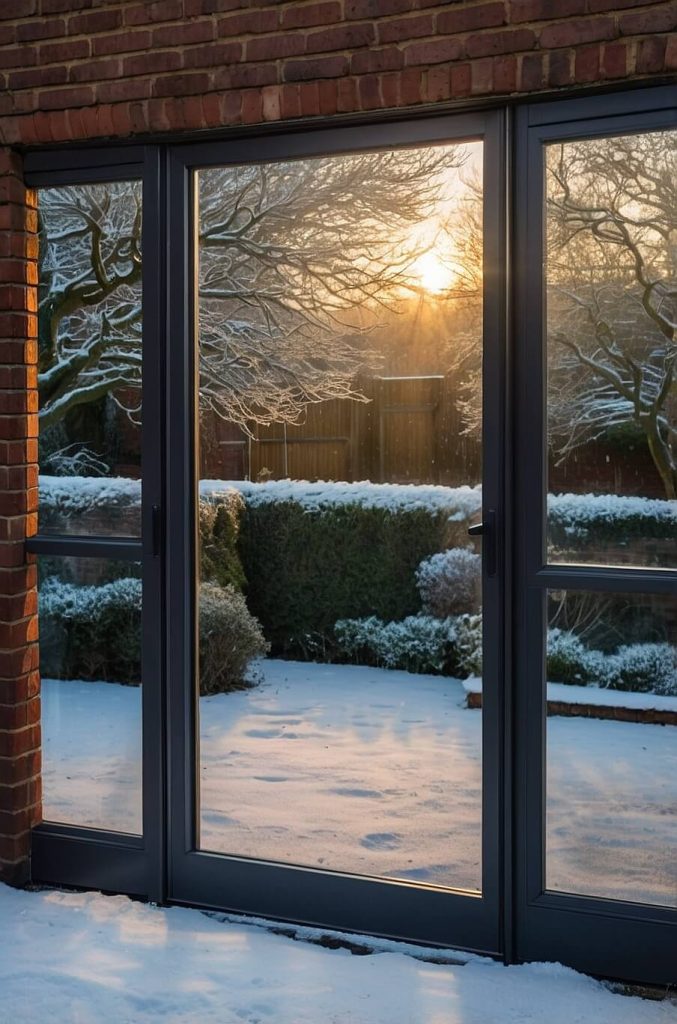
(91, 632)
(645, 668)
(219, 524)
(419, 643)
(306, 569)
(449, 581)
(567, 659)
(468, 645)
(94, 632)
(229, 639)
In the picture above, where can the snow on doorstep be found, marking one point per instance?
(596, 696)
(461, 501)
(84, 958)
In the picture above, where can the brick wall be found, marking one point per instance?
(19, 678)
(85, 69)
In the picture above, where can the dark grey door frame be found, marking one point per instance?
(350, 902)
(607, 937)
(68, 854)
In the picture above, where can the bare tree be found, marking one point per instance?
(295, 260)
(612, 292)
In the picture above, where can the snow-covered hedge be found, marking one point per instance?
(593, 518)
(639, 668)
(418, 643)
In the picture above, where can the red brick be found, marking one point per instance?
(62, 6)
(482, 77)
(505, 74)
(387, 59)
(96, 70)
(290, 102)
(321, 67)
(19, 56)
(24, 794)
(14, 848)
(434, 52)
(614, 60)
(161, 10)
(560, 68)
(213, 55)
(36, 77)
(17, 606)
(486, 44)
(405, 28)
(658, 19)
(596, 6)
(390, 90)
(18, 402)
(10, 9)
(376, 8)
(125, 41)
(12, 427)
(251, 22)
(42, 28)
(369, 90)
(467, 19)
(544, 10)
(124, 90)
(182, 85)
(341, 37)
(587, 64)
(152, 63)
(184, 33)
(19, 741)
(532, 73)
(245, 76)
(10, 162)
(577, 31)
(309, 96)
(437, 85)
(270, 103)
(20, 769)
(461, 79)
(328, 93)
(671, 54)
(63, 51)
(94, 21)
(308, 14)
(252, 107)
(19, 821)
(650, 55)
(26, 684)
(79, 96)
(273, 47)
(17, 453)
(411, 86)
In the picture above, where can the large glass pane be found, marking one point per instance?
(340, 326)
(612, 746)
(90, 663)
(612, 314)
(90, 359)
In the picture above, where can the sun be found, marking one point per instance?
(433, 273)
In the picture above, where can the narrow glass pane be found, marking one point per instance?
(90, 664)
(90, 359)
(612, 746)
(340, 327)
(612, 310)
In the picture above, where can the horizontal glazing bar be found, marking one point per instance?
(127, 548)
(658, 581)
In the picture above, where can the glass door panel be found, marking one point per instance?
(339, 328)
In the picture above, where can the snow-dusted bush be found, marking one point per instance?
(645, 668)
(230, 637)
(593, 518)
(468, 645)
(91, 632)
(568, 659)
(419, 643)
(448, 582)
(219, 525)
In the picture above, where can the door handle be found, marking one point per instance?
(487, 530)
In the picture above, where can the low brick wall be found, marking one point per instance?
(650, 716)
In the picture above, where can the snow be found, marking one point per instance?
(73, 494)
(595, 696)
(373, 771)
(578, 513)
(461, 502)
(92, 959)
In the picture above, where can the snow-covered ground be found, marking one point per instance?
(83, 958)
(374, 771)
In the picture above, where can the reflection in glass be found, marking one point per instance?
(612, 746)
(612, 308)
(90, 359)
(90, 664)
(340, 323)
